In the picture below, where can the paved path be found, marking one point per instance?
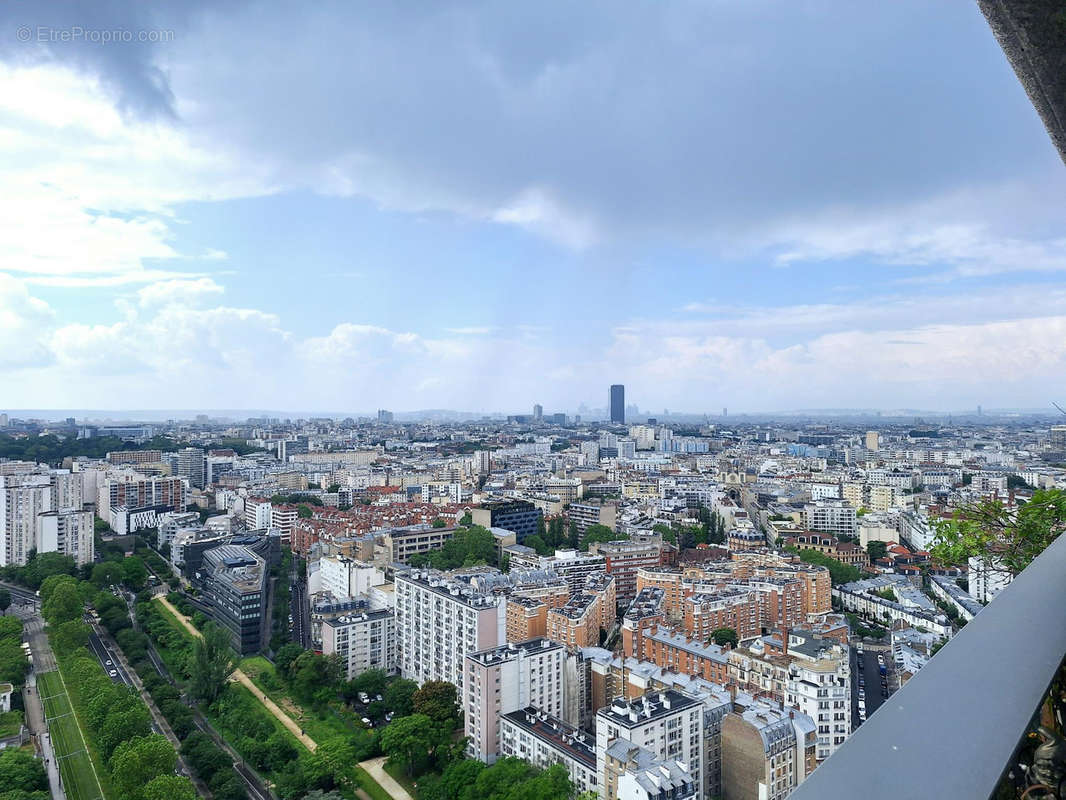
(376, 768)
(240, 677)
(35, 722)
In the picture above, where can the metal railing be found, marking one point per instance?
(956, 728)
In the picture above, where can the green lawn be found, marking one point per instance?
(75, 768)
(319, 726)
(398, 775)
(10, 722)
(367, 783)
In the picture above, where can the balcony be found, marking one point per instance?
(964, 727)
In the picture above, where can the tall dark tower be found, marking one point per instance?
(617, 403)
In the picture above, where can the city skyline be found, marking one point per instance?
(900, 246)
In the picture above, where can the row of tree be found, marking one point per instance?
(139, 762)
(469, 547)
(13, 662)
(22, 776)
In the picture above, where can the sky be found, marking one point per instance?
(482, 206)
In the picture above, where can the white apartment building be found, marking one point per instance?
(347, 577)
(544, 740)
(256, 513)
(831, 516)
(986, 581)
(668, 724)
(440, 619)
(363, 639)
(22, 499)
(572, 565)
(821, 689)
(914, 526)
(508, 678)
(169, 524)
(68, 532)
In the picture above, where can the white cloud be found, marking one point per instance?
(24, 325)
(89, 193)
(178, 291)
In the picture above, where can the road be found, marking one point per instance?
(298, 605)
(872, 676)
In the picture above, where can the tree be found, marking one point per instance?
(169, 787)
(456, 782)
(134, 573)
(304, 512)
(332, 761)
(372, 682)
(409, 740)
(537, 543)
(107, 573)
(599, 533)
(69, 636)
(314, 678)
(5, 601)
(137, 761)
(437, 700)
(63, 604)
(497, 782)
(211, 664)
(286, 654)
(1006, 539)
(725, 636)
(399, 696)
(20, 771)
(876, 550)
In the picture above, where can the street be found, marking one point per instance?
(871, 675)
(298, 605)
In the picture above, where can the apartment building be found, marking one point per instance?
(133, 492)
(679, 653)
(283, 517)
(766, 752)
(192, 466)
(573, 565)
(397, 545)
(68, 532)
(504, 679)
(577, 623)
(23, 498)
(831, 516)
(168, 524)
(592, 512)
(845, 552)
(668, 724)
(439, 619)
(544, 740)
(135, 457)
(347, 577)
(364, 639)
(624, 559)
(733, 607)
(257, 513)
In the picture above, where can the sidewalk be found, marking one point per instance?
(376, 768)
(240, 677)
(35, 722)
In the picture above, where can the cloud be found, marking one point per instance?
(178, 291)
(24, 325)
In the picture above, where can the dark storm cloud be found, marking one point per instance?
(699, 119)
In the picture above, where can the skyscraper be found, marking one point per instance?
(617, 403)
(538, 412)
(191, 465)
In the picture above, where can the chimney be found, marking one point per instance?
(784, 641)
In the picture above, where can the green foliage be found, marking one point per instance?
(437, 700)
(69, 636)
(538, 544)
(169, 787)
(373, 682)
(13, 662)
(600, 533)
(1009, 539)
(212, 663)
(63, 604)
(514, 779)
(39, 567)
(20, 771)
(285, 656)
(399, 697)
(107, 573)
(315, 678)
(839, 572)
(136, 762)
(725, 636)
(887, 594)
(408, 741)
(5, 601)
(876, 550)
(468, 547)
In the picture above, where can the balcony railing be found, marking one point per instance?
(961, 727)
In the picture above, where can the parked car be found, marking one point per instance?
(364, 698)
(108, 662)
(112, 673)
